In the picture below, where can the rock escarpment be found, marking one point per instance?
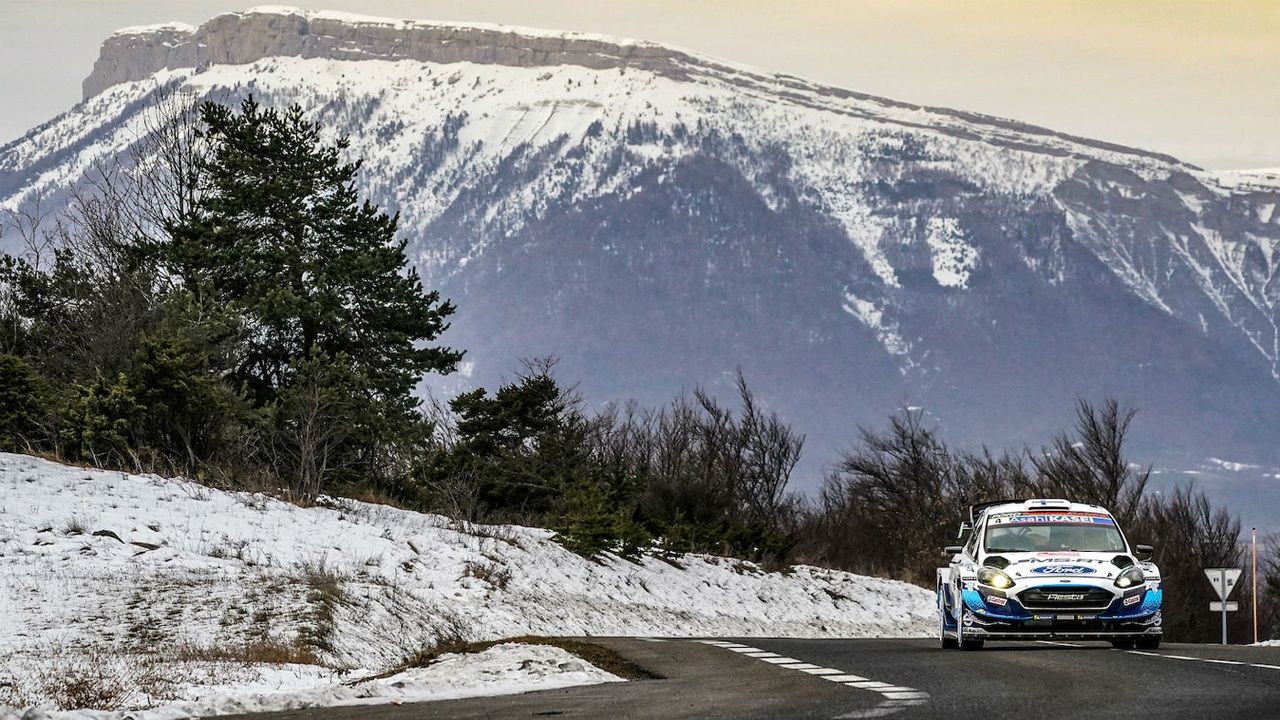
(243, 37)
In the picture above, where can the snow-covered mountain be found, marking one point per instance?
(655, 218)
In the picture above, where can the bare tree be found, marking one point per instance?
(1091, 466)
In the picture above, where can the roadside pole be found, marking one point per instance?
(1224, 623)
(1254, 575)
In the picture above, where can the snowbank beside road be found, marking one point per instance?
(500, 670)
(122, 565)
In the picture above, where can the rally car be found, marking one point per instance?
(1038, 569)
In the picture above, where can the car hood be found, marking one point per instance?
(1075, 566)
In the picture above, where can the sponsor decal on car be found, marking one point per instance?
(1132, 600)
(1063, 570)
(1074, 560)
(996, 600)
(1051, 518)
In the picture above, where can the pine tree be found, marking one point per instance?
(24, 404)
(279, 233)
(318, 279)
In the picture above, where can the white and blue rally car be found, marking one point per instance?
(1040, 569)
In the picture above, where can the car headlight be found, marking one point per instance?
(994, 578)
(1130, 577)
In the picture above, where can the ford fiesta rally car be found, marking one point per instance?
(1040, 569)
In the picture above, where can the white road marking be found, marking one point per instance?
(1204, 660)
(894, 697)
(1063, 644)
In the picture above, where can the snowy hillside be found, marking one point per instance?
(656, 218)
(106, 569)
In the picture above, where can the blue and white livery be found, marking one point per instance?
(1039, 569)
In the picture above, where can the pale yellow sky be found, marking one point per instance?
(1198, 79)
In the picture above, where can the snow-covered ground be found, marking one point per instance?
(502, 669)
(170, 590)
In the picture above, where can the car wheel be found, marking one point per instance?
(1123, 644)
(948, 643)
(1148, 642)
(972, 644)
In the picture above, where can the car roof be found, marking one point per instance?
(1042, 504)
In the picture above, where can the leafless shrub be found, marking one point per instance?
(492, 573)
(75, 526)
(1189, 535)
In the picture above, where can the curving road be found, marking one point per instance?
(791, 678)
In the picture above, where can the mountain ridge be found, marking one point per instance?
(853, 254)
(275, 30)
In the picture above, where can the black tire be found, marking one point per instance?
(1125, 644)
(1148, 642)
(972, 644)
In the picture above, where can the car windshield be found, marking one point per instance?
(1053, 532)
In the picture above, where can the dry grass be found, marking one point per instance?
(325, 593)
(90, 678)
(270, 652)
(101, 679)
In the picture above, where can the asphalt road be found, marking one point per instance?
(903, 679)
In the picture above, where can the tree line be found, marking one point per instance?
(222, 304)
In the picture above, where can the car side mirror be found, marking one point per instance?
(1144, 552)
(952, 550)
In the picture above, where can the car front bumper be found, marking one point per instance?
(989, 613)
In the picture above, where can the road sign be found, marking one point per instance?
(1223, 580)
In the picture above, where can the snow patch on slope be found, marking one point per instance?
(874, 318)
(109, 564)
(953, 257)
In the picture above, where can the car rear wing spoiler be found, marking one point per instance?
(976, 509)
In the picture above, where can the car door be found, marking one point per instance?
(962, 566)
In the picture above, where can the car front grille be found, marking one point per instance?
(1066, 597)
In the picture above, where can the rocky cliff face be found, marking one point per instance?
(242, 38)
(655, 219)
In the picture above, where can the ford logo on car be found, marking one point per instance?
(1063, 570)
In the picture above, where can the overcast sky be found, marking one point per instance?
(1199, 79)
